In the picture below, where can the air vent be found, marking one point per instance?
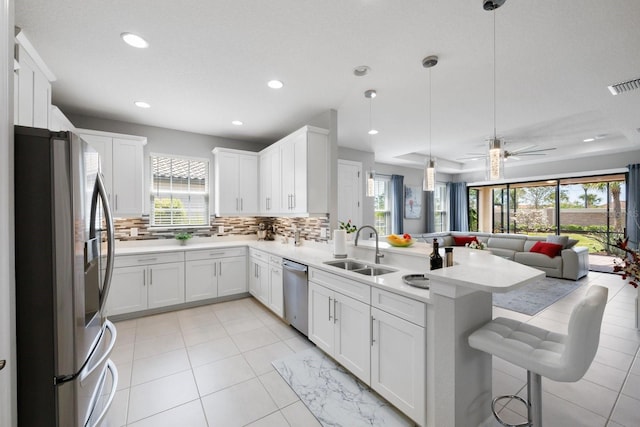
(624, 86)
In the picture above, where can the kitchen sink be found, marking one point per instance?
(360, 267)
(346, 264)
(374, 271)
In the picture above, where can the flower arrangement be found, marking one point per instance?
(476, 245)
(629, 265)
(348, 226)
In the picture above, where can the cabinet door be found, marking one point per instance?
(287, 168)
(352, 336)
(128, 291)
(321, 317)
(201, 280)
(232, 276)
(248, 183)
(398, 343)
(227, 185)
(41, 100)
(127, 177)
(265, 184)
(256, 283)
(276, 293)
(166, 284)
(104, 146)
(300, 173)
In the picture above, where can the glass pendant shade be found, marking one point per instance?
(495, 168)
(429, 182)
(370, 185)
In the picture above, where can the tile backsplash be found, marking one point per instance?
(127, 229)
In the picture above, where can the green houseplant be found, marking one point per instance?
(183, 237)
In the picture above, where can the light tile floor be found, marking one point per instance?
(211, 366)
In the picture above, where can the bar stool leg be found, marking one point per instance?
(534, 393)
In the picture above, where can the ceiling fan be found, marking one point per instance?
(516, 154)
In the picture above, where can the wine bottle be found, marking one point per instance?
(435, 258)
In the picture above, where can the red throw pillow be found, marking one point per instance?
(463, 240)
(549, 249)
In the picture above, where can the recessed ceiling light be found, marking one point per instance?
(373, 132)
(275, 84)
(237, 123)
(588, 140)
(361, 70)
(134, 40)
(142, 104)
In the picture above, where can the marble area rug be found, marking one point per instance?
(535, 297)
(334, 396)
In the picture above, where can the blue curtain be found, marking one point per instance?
(458, 209)
(633, 193)
(397, 203)
(429, 212)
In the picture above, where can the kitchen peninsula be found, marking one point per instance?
(453, 382)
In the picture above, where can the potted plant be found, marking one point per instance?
(183, 237)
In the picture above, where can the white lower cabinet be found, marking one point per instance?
(144, 282)
(215, 273)
(341, 326)
(276, 286)
(259, 276)
(398, 353)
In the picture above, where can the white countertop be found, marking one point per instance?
(473, 269)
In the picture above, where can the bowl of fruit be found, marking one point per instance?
(403, 241)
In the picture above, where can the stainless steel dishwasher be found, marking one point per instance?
(296, 290)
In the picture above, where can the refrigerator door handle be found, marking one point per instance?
(89, 367)
(104, 197)
(111, 367)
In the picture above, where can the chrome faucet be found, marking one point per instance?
(378, 254)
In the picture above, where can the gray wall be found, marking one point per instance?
(167, 141)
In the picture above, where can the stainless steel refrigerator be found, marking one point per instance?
(63, 225)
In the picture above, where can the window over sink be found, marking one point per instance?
(179, 191)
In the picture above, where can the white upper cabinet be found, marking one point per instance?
(270, 186)
(32, 87)
(121, 163)
(304, 161)
(58, 121)
(236, 186)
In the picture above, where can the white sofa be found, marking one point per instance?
(572, 263)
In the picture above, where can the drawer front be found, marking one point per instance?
(214, 253)
(262, 256)
(275, 261)
(401, 306)
(351, 288)
(148, 259)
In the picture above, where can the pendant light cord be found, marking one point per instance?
(430, 115)
(494, 75)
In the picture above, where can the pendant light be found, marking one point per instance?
(370, 94)
(429, 182)
(495, 159)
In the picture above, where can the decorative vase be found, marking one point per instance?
(183, 242)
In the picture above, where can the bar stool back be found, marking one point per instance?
(559, 357)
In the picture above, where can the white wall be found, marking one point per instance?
(7, 256)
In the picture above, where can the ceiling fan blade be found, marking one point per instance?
(533, 151)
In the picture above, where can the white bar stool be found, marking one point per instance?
(559, 357)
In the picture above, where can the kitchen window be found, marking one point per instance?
(179, 191)
(441, 201)
(382, 204)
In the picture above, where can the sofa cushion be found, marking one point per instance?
(463, 240)
(535, 259)
(549, 249)
(511, 243)
(571, 243)
(504, 253)
(558, 240)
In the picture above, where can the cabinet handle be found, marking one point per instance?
(241, 204)
(150, 276)
(144, 277)
(215, 269)
(220, 267)
(335, 303)
(329, 305)
(268, 201)
(148, 260)
(293, 201)
(216, 253)
(116, 202)
(371, 331)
